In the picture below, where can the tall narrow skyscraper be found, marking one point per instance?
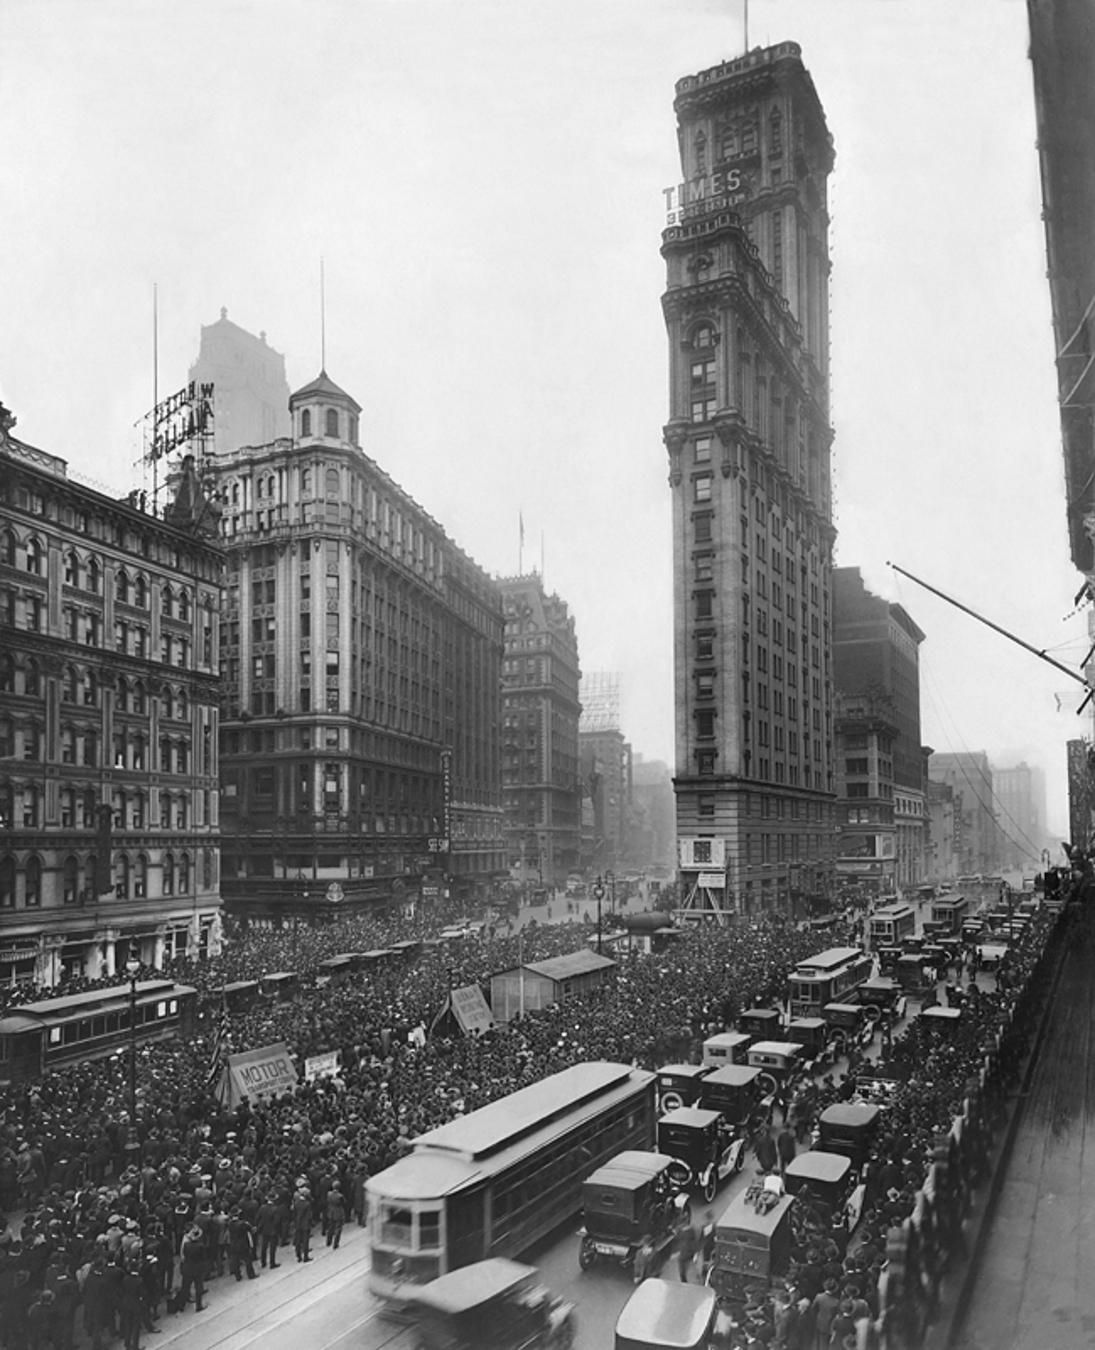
(746, 309)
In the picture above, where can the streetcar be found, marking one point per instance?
(826, 978)
(891, 925)
(75, 1028)
(494, 1182)
(950, 911)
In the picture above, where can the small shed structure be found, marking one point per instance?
(538, 984)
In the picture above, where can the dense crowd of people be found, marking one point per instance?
(125, 1220)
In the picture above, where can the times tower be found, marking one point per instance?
(748, 440)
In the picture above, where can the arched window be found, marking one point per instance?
(32, 741)
(7, 883)
(91, 750)
(700, 148)
(121, 586)
(332, 422)
(305, 482)
(94, 576)
(184, 605)
(137, 700)
(32, 679)
(122, 876)
(184, 873)
(140, 877)
(34, 883)
(7, 548)
(123, 693)
(306, 423)
(34, 557)
(138, 749)
(169, 873)
(182, 706)
(90, 814)
(72, 568)
(70, 880)
(207, 869)
(140, 593)
(30, 808)
(333, 487)
(7, 674)
(90, 689)
(167, 602)
(70, 685)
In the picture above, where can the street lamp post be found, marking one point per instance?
(599, 895)
(133, 1140)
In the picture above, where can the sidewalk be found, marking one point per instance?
(234, 1313)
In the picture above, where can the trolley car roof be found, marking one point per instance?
(113, 995)
(502, 1125)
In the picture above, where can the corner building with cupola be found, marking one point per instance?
(748, 438)
(362, 654)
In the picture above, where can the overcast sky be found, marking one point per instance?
(484, 181)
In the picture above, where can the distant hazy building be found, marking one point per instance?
(746, 309)
(976, 841)
(866, 729)
(1021, 813)
(876, 658)
(109, 707)
(540, 712)
(362, 653)
(942, 851)
(655, 815)
(251, 393)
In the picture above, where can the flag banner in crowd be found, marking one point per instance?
(218, 1056)
(470, 1010)
(258, 1074)
(321, 1066)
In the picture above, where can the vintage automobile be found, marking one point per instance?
(850, 1025)
(495, 1304)
(728, 1047)
(887, 958)
(828, 1184)
(813, 1034)
(679, 1085)
(943, 1021)
(667, 1315)
(628, 1202)
(990, 954)
(706, 1146)
(753, 1238)
(916, 977)
(972, 928)
(881, 996)
(735, 1093)
(849, 1128)
(762, 1023)
(779, 1062)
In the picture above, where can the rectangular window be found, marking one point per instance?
(702, 488)
(702, 529)
(704, 604)
(705, 567)
(703, 449)
(705, 722)
(703, 373)
(705, 805)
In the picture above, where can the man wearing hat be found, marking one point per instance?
(302, 1223)
(192, 1269)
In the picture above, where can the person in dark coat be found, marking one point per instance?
(786, 1147)
(765, 1150)
(268, 1228)
(302, 1224)
(99, 1302)
(336, 1215)
(194, 1258)
(131, 1305)
(241, 1245)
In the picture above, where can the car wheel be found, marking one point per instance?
(767, 1084)
(671, 1101)
(587, 1254)
(710, 1186)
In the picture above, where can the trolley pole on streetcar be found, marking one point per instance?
(133, 1138)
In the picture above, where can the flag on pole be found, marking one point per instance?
(218, 1055)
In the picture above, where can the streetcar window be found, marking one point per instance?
(161, 1009)
(429, 1229)
(55, 1035)
(395, 1224)
(174, 1006)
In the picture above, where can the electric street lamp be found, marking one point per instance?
(133, 1140)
